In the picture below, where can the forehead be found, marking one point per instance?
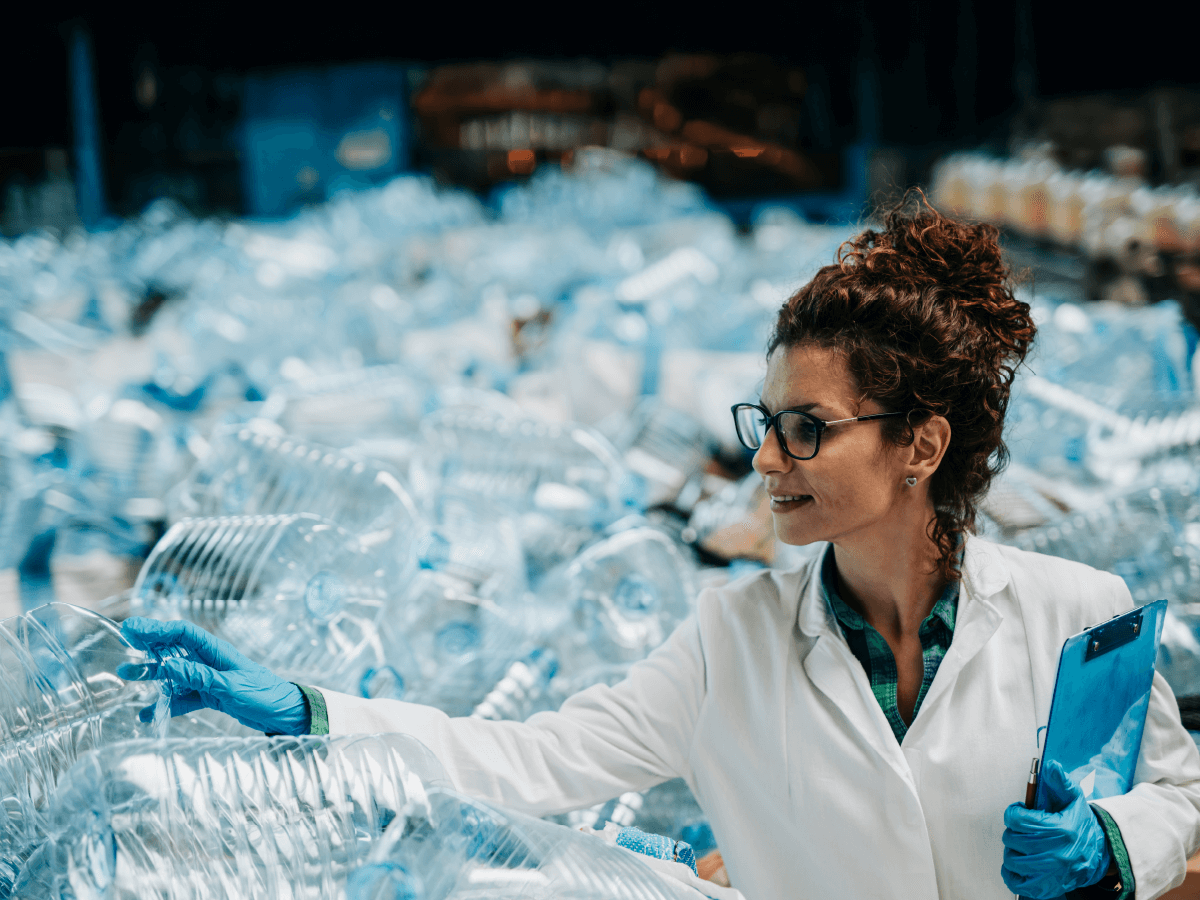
(807, 374)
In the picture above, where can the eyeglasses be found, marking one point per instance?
(799, 433)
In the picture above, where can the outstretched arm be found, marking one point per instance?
(602, 742)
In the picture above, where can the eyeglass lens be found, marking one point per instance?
(799, 432)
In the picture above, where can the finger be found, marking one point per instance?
(1060, 789)
(182, 704)
(1015, 881)
(145, 633)
(1018, 818)
(154, 635)
(185, 675)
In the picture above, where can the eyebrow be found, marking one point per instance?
(805, 407)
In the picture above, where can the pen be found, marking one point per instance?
(1031, 787)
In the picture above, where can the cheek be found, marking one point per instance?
(851, 484)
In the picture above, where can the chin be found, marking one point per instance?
(798, 536)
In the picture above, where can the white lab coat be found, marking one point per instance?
(757, 702)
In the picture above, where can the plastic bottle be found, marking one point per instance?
(459, 848)
(59, 699)
(1142, 536)
(668, 809)
(296, 593)
(462, 614)
(525, 683)
(373, 400)
(248, 472)
(568, 472)
(615, 602)
(214, 818)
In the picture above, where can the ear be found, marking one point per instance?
(930, 440)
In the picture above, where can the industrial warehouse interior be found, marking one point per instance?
(374, 524)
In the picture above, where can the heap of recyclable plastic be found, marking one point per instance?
(458, 848)
(216, 818)
(408, 446)
(59, 698)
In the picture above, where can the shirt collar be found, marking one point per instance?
(945, 609)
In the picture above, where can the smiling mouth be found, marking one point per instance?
(783, 502)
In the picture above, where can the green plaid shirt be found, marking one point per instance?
(936, 632)
(870, 649)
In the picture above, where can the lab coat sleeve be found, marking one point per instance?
(1160, 818)
(603, 742)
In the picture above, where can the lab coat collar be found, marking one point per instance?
(835, 672)
(985, 574)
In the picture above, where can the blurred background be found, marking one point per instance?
(832, 100)
(477, 286)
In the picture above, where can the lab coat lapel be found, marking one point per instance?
(835, 672)
(977, 619)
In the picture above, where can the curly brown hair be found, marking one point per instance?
(924, 314)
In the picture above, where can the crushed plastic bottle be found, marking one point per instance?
(566, 472)
(296, 593)
(248, 472)
(614, 603)
(60, 698)
(459, 848)
(217, 818)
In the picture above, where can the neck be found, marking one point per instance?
(890, 574)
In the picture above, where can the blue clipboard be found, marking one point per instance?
(1101, 696)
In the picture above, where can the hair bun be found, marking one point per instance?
(921, 248)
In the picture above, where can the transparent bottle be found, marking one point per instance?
(458, 848)
(60, 698)
(567, 472)
(296, 593)
(522, 690)
(248, 472)
(373, 400)
(615, 602)
(667, 809)
(215, 818)
(1147, 536)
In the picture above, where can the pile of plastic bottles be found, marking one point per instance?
(476, 457)
(1093, 211)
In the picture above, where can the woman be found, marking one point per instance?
(859, 726)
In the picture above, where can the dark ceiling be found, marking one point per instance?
(947, 70)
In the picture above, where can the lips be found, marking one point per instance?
(785, 502)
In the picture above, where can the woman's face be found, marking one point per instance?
(853, 483)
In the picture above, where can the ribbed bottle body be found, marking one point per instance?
(190, 819)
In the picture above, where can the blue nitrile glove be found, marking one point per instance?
(657, 846)
(223, 679)
(1047, 854)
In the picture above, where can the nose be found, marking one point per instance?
(769, 457)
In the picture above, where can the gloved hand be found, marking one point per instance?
(223, 679)
(1047, 854)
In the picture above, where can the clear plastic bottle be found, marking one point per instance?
(60, 698)
(214, 818)
(567, 472)
(373, 400)
(296, 593)
(615, 602)
(667, 809)
(1147, 536)
(248, 472)
(458, 848)
(525, 684)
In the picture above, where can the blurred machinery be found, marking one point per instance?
(732, 124)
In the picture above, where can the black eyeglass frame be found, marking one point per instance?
(819, 424)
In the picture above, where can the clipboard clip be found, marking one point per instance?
(1114, 634)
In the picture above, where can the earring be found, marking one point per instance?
(911, 480)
